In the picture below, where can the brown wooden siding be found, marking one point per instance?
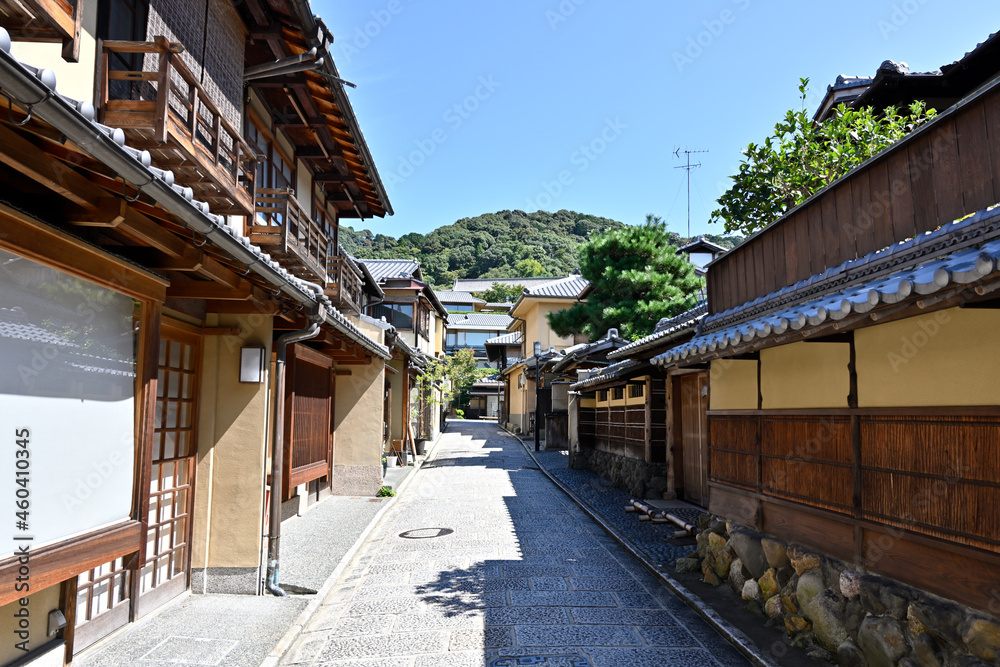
(933, 475)
(621, 429)
(308, 417)
(946, 171)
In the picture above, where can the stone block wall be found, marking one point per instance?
(837, 613)
(636, 477)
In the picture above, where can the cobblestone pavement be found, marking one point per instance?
(484, 562)
(609, 502)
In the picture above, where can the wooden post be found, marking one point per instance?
(149, 355)
(67, 603)
(217, 129)
(648, 421)
(669, 437)
(162, 92)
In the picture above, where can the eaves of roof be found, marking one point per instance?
(949, 259)
(667, 332)
(615, 372)
(105, 144)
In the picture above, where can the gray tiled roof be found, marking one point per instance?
(506, 339)
(956, 254)
(666, 331)
(447, 296)
(611, 373)
(110, 142)
(385, 269)
(483, 284)
(492, 320)
(568, 287)
(701, 243)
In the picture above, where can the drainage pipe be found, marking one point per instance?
(278, 455)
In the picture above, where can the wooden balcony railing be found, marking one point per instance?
(941, 172)
(45, 21)
(148, 91)
(289, 235)
(345, 288)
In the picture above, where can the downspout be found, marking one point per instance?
(278, 452)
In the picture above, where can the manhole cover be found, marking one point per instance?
(426, 534)
(190, 651)
(543, 661)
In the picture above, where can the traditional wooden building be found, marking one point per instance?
(419, 320)
(851, 347)
(529, 319)
(181, 324)
(632, 423)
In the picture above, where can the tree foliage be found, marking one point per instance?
(506, 244)
(454, 375)
(803, 156)
(500, 293)
(637, 277)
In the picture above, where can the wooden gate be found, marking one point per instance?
(165, 571)
(309, 395)
(692, 400)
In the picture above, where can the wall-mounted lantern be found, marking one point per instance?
(252, 365)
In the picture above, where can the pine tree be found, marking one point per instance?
(637, 276)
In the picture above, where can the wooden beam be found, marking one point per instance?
(204, 289)
(23, 156)
(37, 241)
(267, 308)
(142, 229)
(109, 212)
(55, 563)
(333, 177)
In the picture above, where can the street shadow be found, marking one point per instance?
(533, 566)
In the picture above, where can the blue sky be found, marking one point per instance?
(475, 107)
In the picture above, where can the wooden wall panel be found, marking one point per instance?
(845, 222)
(921, 156)
(827, 534)
(807, 437)
(898, 168)
(880, 213)
(974, 157)
(991, 113)
(953, 574)
(809, 482)
(946, 175)
(864, 234)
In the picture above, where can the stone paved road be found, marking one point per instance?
(483, 562)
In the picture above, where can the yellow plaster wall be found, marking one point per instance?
(733, 384)
(75, 80)
(538, 324)
(947, 358)
(805, 375)
(303, 188)
(233, 430)
(40, 603)
(358, 415)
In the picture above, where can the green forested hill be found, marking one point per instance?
(505, 244)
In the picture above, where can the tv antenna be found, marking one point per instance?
(688, 167)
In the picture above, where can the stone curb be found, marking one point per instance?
(732, 634)
(285, 643)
